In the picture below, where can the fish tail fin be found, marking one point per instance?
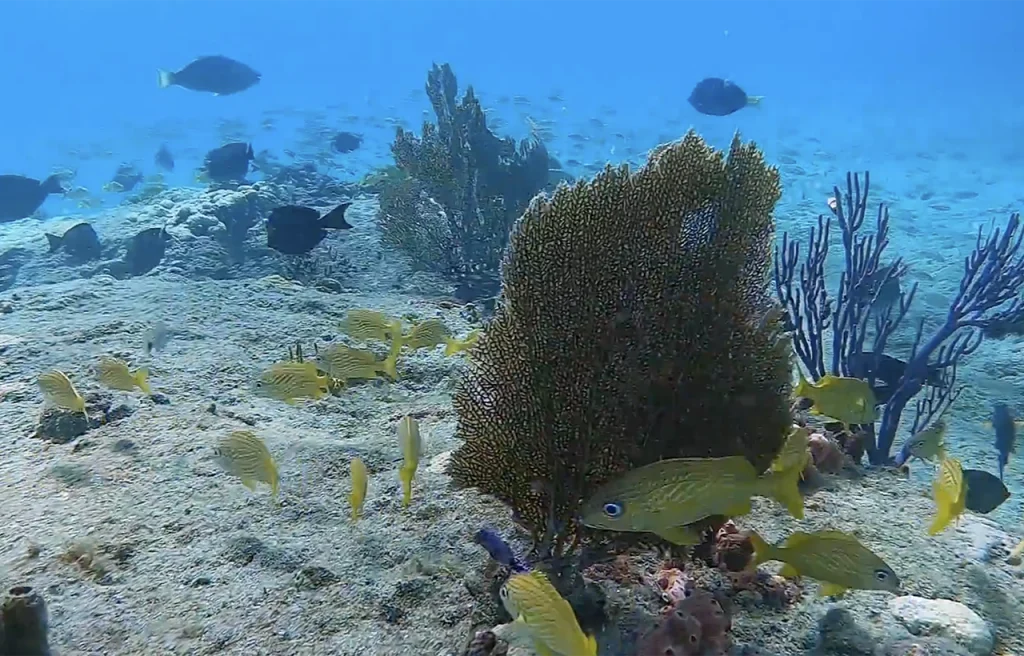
(390, 366)
(590, 643)
(165, 78)
(336, 218)
(54, 241)
(763, 552)
(943, 513)
(754, 101)
(141, 380)
(451, 345)
(785, 488)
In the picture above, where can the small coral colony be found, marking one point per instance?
(608, 436)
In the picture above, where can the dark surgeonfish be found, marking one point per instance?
(887, 372)
(215, 74)
(985, 492)
(146, 250)
(296, 230)
(125, 178)
(164, 159)
(21, 196)
(80, 241)
(229, 162)
(879, 289)
(346, 142)
(717, 97)
(1006, 434)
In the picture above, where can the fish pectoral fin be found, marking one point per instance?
(681, 535)
(788, 571)
(831, 590)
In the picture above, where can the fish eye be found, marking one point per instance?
(881, 575)
(612, 509)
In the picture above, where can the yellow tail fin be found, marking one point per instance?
(763, 552)
(140, 380)
(785, 489)
(166, 78)
(390, 366)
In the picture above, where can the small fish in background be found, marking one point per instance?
(499, 550)
(164, 159)
(795, 453)
(126, 177)
(216, 74)
(714, 96)
(157, 336)
(531, 600)
(666, 496)
(289, 381)
(346, 363)
(21, 196)
(411, 443)
(244, 455)
(363, 324)
(116, 374)
(80, 241)
(1006, 434)
(360, 483)
(928, 444)
(346, 142)
(846, 400)
(296, 230)
(949, 493)
(985, 492)
(228, 163)
(59, 391)
(837, 560)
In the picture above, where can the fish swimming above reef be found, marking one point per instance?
(346, 142)
(346, 363)
(146, 250)
(216, 74)
(360, 482)
(717, 97)
(246, 456)
(228, 163)
(887, 372)
(665, 496)
(499, 549)
(80, 241)
(21, 196)
(60, 392)
(287, 381)
(985, 492)
(847, 400)
(838, 560)
(411, 444)
(296, 230)
(1006, 434)
(928, 444)
(362, 324)
(125, 178)
(116, 374)
(532, 600)
(164, 159)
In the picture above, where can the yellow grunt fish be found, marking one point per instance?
(360, 482)
(412, 448)
(59, 391)
(950, 495)
(847, 400)
(115, 374)
(531, 599)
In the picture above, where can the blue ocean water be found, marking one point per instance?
(926, 95)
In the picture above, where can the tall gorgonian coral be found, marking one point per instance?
(461, 190)
(992, 279)
(634, 324)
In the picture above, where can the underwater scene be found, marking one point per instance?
(511, 328)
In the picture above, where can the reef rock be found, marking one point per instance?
(945, 618)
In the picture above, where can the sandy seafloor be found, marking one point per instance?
(191, 562)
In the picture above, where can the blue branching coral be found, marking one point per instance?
(992, 279)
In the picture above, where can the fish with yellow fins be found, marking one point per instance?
(360, 482)
(836, 559)
(927, 444)
(551, 622)
(949, 493)
(412, 448)
(666, 496)
(846, 400)
(59, 391)
(116, 374)
(454, 345)
(244, 455)
(289, 381)
(795, 452)
(346, 363)
(363, 324)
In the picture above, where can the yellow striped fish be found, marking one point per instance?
(365, 324)
(60, 392)
(412, 448)
(287, 381)
(244, 455)
(531, 599)
(115, 374)
(795, 452)
(360, 482)
(453, 346)
(950, 495)
(345, 363)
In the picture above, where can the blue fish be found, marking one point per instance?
(1006, 434)
(500, 551)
